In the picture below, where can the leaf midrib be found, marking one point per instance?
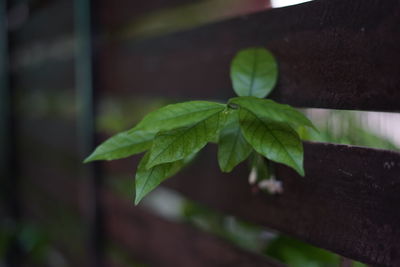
(178, 136)
(122, 147)
(254, 66)
(237, 133)
(146, 181)
(281, 112)
(179, 116)
(277, 140)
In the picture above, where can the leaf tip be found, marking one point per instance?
(301, 172)
(137, 200)
(139, 195)
(90, 158)
(225, 168)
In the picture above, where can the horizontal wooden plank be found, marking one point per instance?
(112, 15)
(162, 243)
(346, 203)
(364, 182)
(147, 237)
(357, 73)
(331, 53)
(44, 59)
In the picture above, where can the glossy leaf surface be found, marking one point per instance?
(254, 72)
(179, 115)
(269, 109)
(232, 148)
(170, 146)
(122, 145)
(148, 179)
(139, 138)
(274, 140)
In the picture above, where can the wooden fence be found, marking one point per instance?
(333, 54)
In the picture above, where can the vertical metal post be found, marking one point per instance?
(86, 124)
(9, 180)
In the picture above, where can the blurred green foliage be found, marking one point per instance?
(30, 238)
(243, 234)
(121, 257)
(348, 128)
(288, 250)
(299, 254)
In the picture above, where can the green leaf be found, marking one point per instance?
(148, 179)
(233, 148)
(266, 108)
(139, 138)
(122, 145)
(170, 146)
(274, 140)
(179, 115)
(254, 72)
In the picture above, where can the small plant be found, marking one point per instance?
(173, 134)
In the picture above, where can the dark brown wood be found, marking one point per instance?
(115, 15)
(44, 58)
(331, 53)
(345, 262)
(162, 243)
(148, 238)
(347, 203)
(159, 242)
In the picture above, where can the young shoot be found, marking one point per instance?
(246, 124)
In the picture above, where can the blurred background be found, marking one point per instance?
(74, 73)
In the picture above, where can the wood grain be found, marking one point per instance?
(114, 15)
(331, 53)
(162, 243)
(148, 238)
(346, 203)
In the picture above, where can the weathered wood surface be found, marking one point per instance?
(125, 16)
(331, 53)
(147, 237)
(346, 203)
(162, 243)
(114, 14)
